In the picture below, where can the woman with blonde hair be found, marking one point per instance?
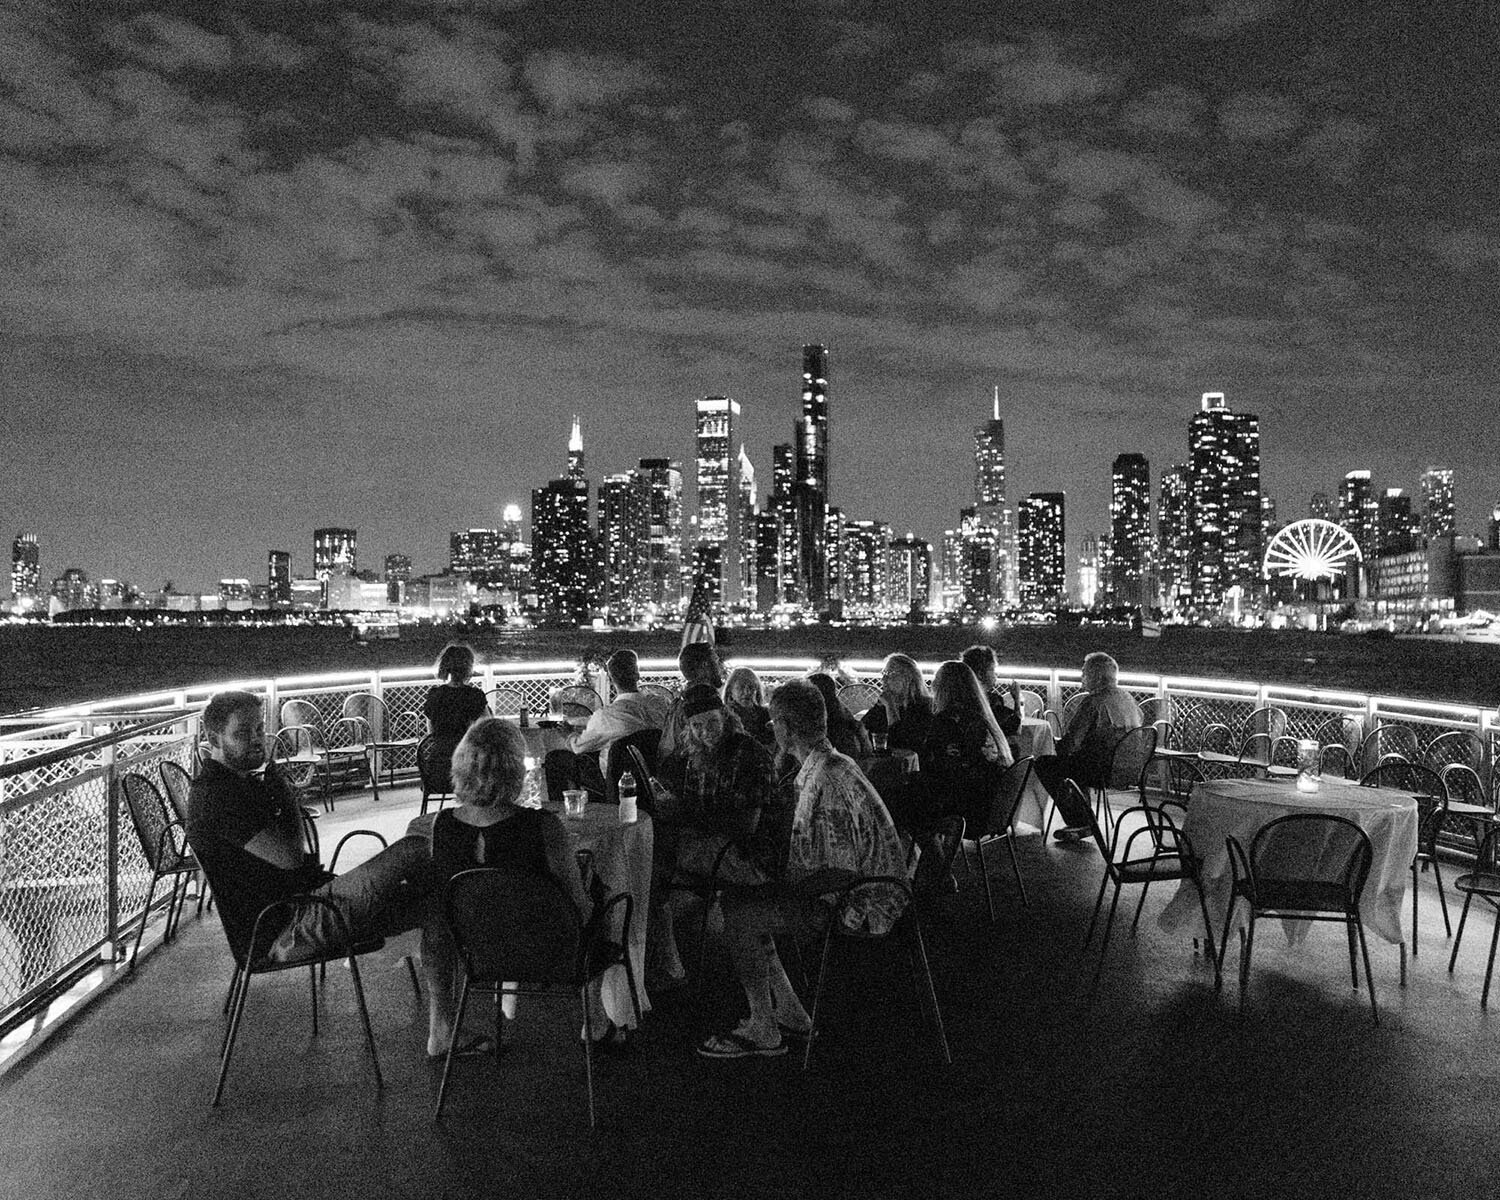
(746, 699)
(486, 828)
(904, 711)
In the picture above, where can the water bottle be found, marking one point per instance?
(627, 798)
(524, 721)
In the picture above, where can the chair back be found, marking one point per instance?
(1386, 743)
(1010, 786)
(160, 834)
(859, 697)
(300, 712)
(294, 750)
(1032, 704)
(1181, 775)
(1217, 737)
(348, 732)
(1127, 762)
(1311, 849)
(1068, 710)
(1269, 720)
(179, 784)
(617, 760)
(370, 709)
(1255, 751)
(510, 923)
(660, 690)
(1464, 786)
(1155, 709)
(435, 766)
(505, 701)
(577, 703)
(1460, 747)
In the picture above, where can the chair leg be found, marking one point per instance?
(1098, 906)
(588, 1047)
(1414, 949)
(1489, 970)
(1353, 964)
(411, 969)
(364, 1016)
(1459, 937)
(1224, 936)
(1139, 905)
(1109, 925)
(458, 1020)
(1364, 951)
(234, 982)
(145, 916)
(1015, 866)
(1247, 948)
(1437, 873)
(1208, 934)
(237, 1012)
(984, 873)
(920, 948)
(812, 1028)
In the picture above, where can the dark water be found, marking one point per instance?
(43, 667)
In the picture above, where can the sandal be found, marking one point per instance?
(737, 1045)
(478, 1046)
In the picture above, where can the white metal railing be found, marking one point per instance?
(73, 878)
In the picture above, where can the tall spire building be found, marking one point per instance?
(718, 550)
(575, 452)
(991, 513)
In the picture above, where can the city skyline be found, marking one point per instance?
(271, 270)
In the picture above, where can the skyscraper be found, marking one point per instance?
(833, 553)
(810, 484)
(562, 550)
(1439, 514)
(1130, 529)
(1359, 512)
(334, 548)
(719, 546)
(1041, 537)
(25, 569)
(782, 502)
(397, 577)
(279, 577)
(1321, 507)
(911, 573)
(1174, 530)
(866, 567)
(663, 585)
(1226, 518)
(748, 497)
(979, 546)
(989, 503)
(625, 541)
(575, 452)
(1400, 527)
(481, 556)
(769, 532)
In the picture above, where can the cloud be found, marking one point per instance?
(1166, 110)
(565, 81)
(1259, 117)
(1226, 17)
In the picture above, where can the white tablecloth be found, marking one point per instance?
(1220, 807)
(1035, 738)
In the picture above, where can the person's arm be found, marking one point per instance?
(599, 732)
(1079, 728)
(273, 846)
(563, 865)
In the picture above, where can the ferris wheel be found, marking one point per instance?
(1310, 549)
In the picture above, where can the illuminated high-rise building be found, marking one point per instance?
(990, 508)
(1093, 566)
(1227, 541)
(748, 498)
(25, 569)
(1130, 529)
(783, 476)
(397, 577)
(719, 545)
(866, 567)
(769, 533)
(1439, 512)
(1041, 539)
(1321, 507)
(482, 556)
(575, 452)
(663, 584)
(625, 541)
(910, 574)
(1359, 512)
(279, 577)
(562, 550)
(833, 552)
(1174, 533)
(978, 546)
(334, 549)
(810, 483)
(1399, 527)
(951, 571)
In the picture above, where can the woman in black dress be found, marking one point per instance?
(485, 829)
(450, 708)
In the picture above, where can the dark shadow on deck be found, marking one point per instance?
(1158, 1088)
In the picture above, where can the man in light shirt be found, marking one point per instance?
(582, 764)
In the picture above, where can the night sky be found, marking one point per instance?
(269, 266)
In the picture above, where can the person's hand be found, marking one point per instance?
(1015, 691)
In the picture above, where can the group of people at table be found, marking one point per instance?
(778, 795)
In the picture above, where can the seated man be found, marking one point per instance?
(839, 824)
(582, 764)
(711, 789)
(698, 663)
(1106, 714)
(247, 833)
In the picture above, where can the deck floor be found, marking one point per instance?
(1157, 1088)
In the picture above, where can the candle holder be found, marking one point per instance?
(1308, 771)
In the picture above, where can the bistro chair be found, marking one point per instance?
(1301, 867)
(1432, 810)
(509, 923)
(1255, 755)
(1155, 851)
(340, 748)
(434, 771)
(164, 843)
(617, 761)
(660, 690)
(1032, 704)
(1484, 882)
(1268, 720)
(1070, 707)
(1283, 764)
(1386, 743)
(1338, 738)
(1127, 767)
(178, 784)
(576, 703)
(386, 735)
(505, 701)
(907, 930)
(1467, 799)
(1178, 775)
(859, 697)
(1009, 787)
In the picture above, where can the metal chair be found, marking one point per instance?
(178, 783)
(509, 923)
(1033, 705)
(1283, 764)
(660, 690)
(907, 927)
(164, 843)
(1268, 720)
(1178, 775)
(617, 760)
(386, 736)
(1484, 882)
(859, 697)
(1386, 743)
(338, 748)
(434, 771)
(1068, 709)
(576, 703)
(505, 701)
(1302, 867)
(1432, 810)
(1338, 738)
(1008, 790)
(1156, 851)
(1127, 767)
